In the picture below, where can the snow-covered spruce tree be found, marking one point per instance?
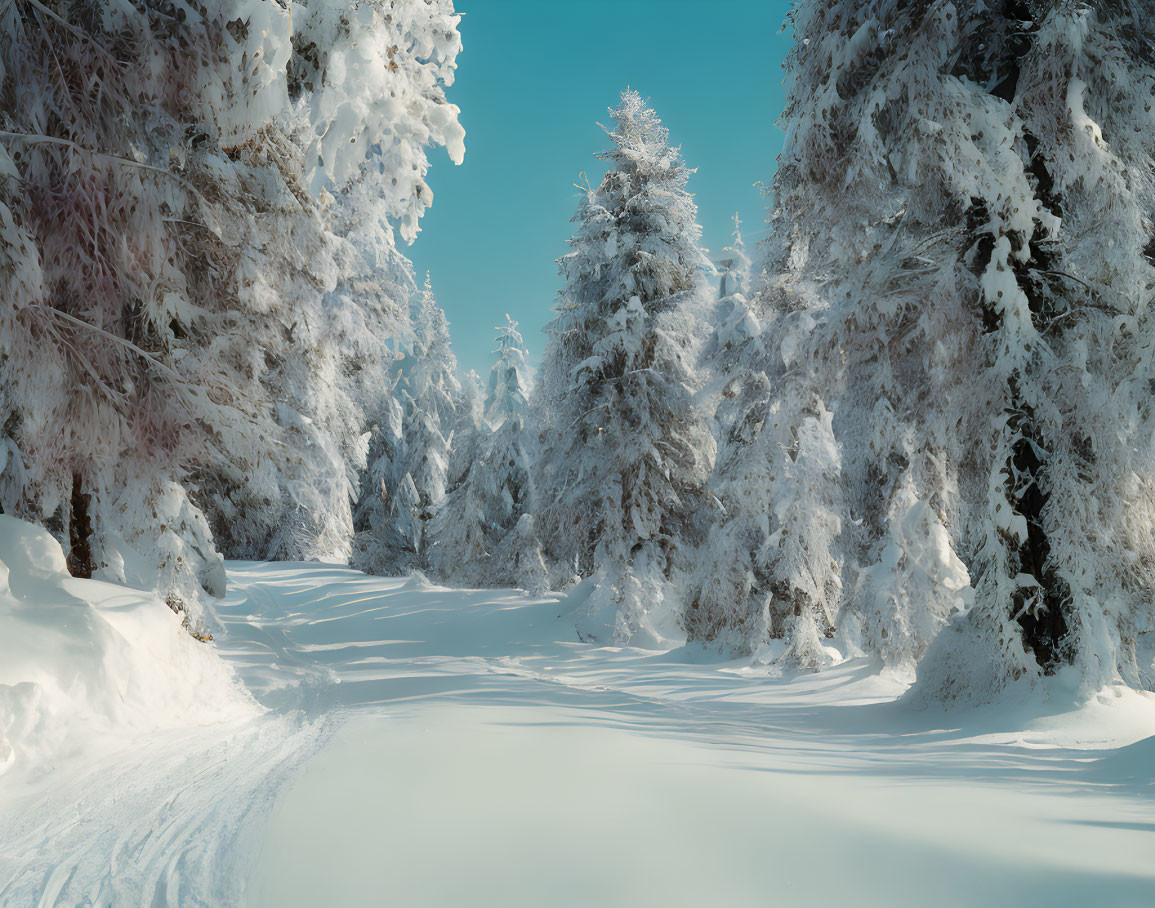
(734, 345)
(734, 321)
(509, 378)
(865, 235)
(392, 61)
(734, 266)
(107, 386)
(164, 257)
(521, 550)
(469, 429)
(624, 453)
(969, 187)
(770, 567)
(413, 481)
(486, 503)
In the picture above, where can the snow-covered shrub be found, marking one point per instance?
(624, 453)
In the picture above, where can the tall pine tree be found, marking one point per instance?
(968, 187)
(477, 537)
(624, 453)
(410, 457)
(174, 381)
(768, 580)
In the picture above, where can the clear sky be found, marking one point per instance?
(533, 81)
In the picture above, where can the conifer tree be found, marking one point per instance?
(961, 186)
(734, 321)
(170, 382)
(509, 383)
(431, 394)
(734, 348)
(768, 579)
(384, 518)
(734, 265)
(409, 471)
(624, 453)
(469, 429)
(486, 505)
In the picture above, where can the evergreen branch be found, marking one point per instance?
(189, 223)
(37, 5)
(34, 139)
(116, 396)
(124, 342)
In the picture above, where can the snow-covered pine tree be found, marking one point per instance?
(110, 392)
(509, 378)
(1066, 302)
(384, 519)
(469, 429)
(868, 241)
(487, 503)
(734, 266)
(733, 350)
(770, 568)
(412, 482)
(167, 262)
(431, 393)
(968, 185)
(624, 453)
(390, 63)
(734, 322)
(522, 550)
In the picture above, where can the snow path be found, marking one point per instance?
(440, 747)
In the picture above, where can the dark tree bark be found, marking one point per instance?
(80, 531)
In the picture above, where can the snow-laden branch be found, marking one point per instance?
(34, 139)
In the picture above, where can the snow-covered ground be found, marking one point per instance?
(422, 746)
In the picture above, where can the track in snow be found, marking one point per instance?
(439, 747)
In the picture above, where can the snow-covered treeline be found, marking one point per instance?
(930, 406)
(915, 430)
(202, 294)
(449, 487)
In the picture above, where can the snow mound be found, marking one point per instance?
(83, 661)
(1131, 765)
(417, 582)
(631, 605)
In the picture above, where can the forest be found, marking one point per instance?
(903, 442)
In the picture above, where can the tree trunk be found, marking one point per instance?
(80, 532)
(1041, 612)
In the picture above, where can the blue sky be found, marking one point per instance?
(533, 80)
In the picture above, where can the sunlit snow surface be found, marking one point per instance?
(425, 746)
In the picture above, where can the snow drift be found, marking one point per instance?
(82, 661)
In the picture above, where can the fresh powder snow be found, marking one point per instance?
(420, 745)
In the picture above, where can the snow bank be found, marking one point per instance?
(83, 661)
